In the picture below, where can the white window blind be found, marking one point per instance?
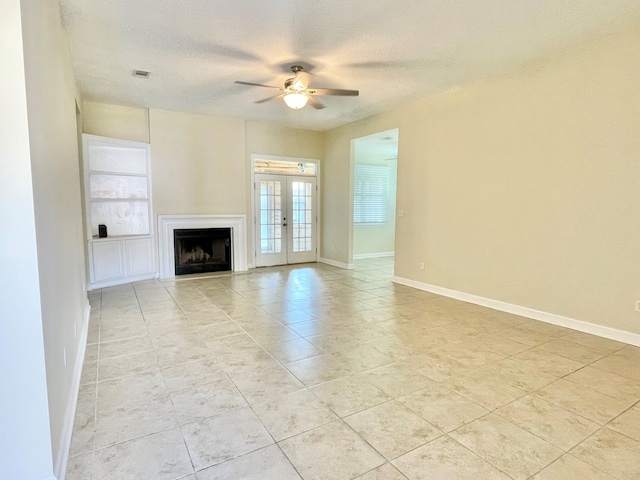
(371, 191)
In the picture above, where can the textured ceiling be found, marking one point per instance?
(391, 51)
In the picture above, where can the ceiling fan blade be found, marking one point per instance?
(333, 91)
(315, 103)
(256, 84)
(270, 98)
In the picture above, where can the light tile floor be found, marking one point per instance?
(318, 373)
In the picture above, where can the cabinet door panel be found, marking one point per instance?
(108, 261)
(140, 257)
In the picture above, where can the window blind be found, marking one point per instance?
(371, 191)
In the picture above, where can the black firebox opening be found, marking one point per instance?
(202, 250)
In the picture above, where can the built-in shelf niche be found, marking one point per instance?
(117, 187)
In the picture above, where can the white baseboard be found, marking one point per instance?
(328, 261)
(572, 323)
(62, 456)
(360, 256)
(122, 281)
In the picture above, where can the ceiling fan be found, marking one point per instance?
(296, 92)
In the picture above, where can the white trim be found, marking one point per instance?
(360, 256)
(62, 457)
(120, 281)
(168, 223)
(89, 140)
(328, 261)
(252, 188)
(552, 318)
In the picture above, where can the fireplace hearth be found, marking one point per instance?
(200, 250)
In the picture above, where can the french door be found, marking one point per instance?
(286, 219)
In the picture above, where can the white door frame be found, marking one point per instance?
(252, 217)
(352, 164)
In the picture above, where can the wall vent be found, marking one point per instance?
(140, 74)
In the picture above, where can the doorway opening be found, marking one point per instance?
(375, 161)
(285, 210)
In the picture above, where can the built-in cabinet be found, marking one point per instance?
(117, 188)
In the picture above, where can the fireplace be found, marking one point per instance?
(199, 250)
(167, 224)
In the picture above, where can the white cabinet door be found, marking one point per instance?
(108, 261)
(139, 256)
(122, 260)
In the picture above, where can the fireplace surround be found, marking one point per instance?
(166, 245)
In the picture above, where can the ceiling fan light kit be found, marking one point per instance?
(296, 92)
(295, 100)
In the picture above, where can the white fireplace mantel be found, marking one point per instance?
(168, 223)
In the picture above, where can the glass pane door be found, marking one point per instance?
(302, 215)
(285, 219)
(270, 220)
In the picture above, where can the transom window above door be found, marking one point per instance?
(284, 167)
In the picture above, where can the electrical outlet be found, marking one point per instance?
(637, 305)
(401, 213)
(421, 265)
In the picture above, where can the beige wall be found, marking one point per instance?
(25, 441)
(522, 188)
(51, 106)
(116, 121)
(198, 164)
(268, 139)
(197, 161)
